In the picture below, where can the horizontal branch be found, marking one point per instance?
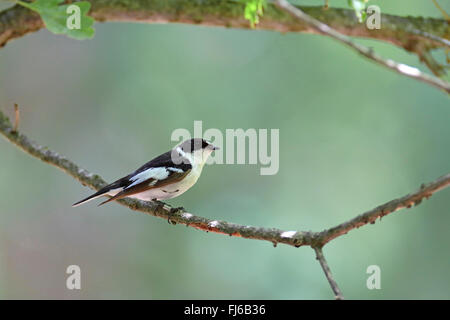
(293, 238)
(412, 199)
(411, 33)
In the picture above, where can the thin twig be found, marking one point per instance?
(326, 269)
(408, 201)
(400, 68)
(443, 41)
(435, 67)
(444, 13)
(16, 117)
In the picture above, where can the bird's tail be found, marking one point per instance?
(91, 197)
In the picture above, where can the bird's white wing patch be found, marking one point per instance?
(185, 155)
(152, 173)
(175, 170)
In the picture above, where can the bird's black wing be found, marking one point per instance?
(170, 159)
(177, 168)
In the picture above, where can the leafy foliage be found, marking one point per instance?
(55, 17)
(360, 8)
(254, 10)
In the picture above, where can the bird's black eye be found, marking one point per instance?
(204, 144)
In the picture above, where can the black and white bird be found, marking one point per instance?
(165, 177)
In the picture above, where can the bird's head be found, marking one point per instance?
(196, 150)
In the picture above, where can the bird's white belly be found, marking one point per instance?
(169, 191)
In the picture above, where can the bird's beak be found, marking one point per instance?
(215, 148)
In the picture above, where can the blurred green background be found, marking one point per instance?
(352, 136)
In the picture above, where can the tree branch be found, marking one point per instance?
(410, 33)
(367, 52)
(316, 240)
(412, 199)
(326, 269)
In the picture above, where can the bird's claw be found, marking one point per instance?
(172, 212)
(159, 205)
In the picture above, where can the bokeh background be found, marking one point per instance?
(352, 136)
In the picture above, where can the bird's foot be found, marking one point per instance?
(159, 204)
(172, 212)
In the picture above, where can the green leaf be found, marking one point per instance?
(60, 21)
(360, 8)
(254, 10)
